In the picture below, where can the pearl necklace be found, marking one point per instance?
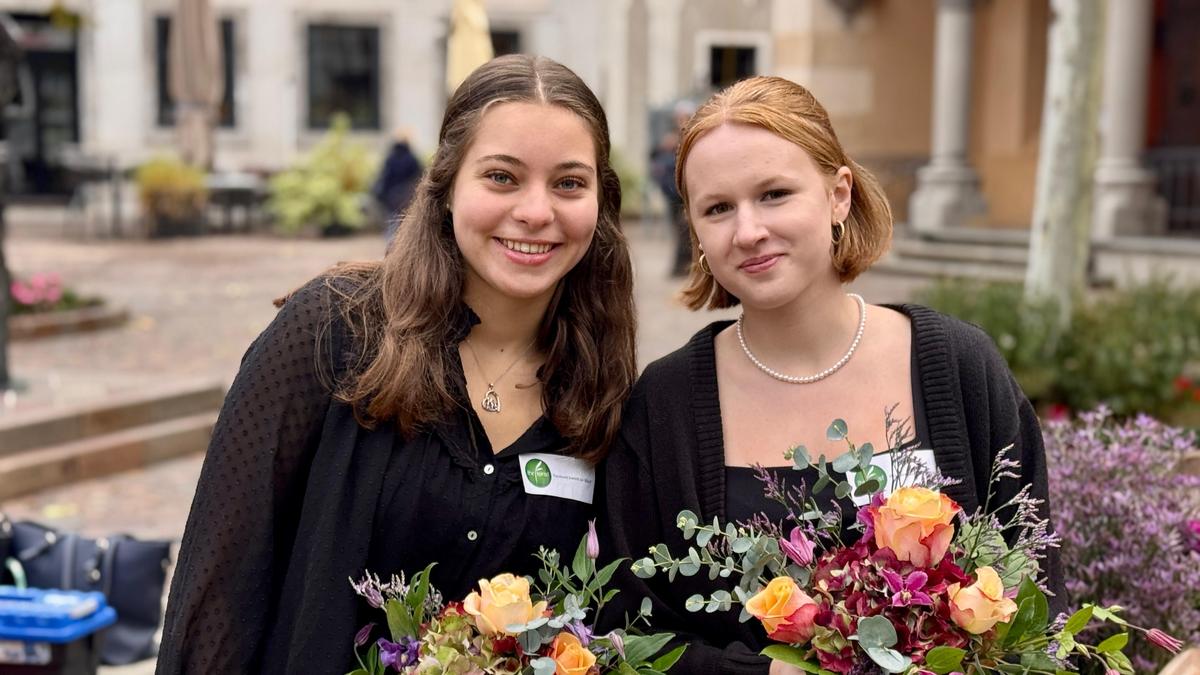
(808, 379)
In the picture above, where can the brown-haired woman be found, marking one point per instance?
(382, 420)
(781, 218)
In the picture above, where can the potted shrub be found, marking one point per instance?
(326, 188)
(173, 196)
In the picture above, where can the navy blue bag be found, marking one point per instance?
(130, 572)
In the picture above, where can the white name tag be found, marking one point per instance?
(884, 461)
(558, 476)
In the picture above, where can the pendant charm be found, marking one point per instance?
(491, 400)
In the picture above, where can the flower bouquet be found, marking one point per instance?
(926, 588)
(509, 624)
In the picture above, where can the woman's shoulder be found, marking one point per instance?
(677, 366)
(931, 326)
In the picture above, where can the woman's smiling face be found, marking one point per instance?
(525, 200)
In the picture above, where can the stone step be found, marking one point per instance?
(949, 269)
(65, 424)
(101, 455)
(989, 254)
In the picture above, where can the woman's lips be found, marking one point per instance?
(759, 264)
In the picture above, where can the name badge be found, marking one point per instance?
(558, 476)
(884, 461)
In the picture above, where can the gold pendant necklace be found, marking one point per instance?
(491, 399)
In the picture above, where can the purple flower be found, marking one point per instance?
(1121, 506)
(907, 591)
(593, 541)
(867, 518)
(399, 655)
(798, 547)
(364, 635)
(581, 631)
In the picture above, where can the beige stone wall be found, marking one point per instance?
(874, 76)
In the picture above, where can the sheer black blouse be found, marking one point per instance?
(295, 498)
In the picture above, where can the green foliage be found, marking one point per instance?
(168, 188)
(1125, 348)
(325, 188)
(632, 183)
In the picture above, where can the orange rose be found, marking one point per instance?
(502, 602)
(570, 656)
(916, 524)
(786, 612)
(981, 605)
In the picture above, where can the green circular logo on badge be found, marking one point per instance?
(538, 473)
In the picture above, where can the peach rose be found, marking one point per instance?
(502, 602)
(981, 605)
(916, 524)
(786, 612)
(570, 656)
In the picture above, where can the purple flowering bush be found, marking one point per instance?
(1126, 518)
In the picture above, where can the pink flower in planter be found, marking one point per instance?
(25, 294)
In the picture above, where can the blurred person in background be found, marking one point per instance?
(397, 181)
(662, 170)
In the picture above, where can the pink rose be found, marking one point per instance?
(917, 524)
(786, 612)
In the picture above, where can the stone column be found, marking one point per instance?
(663, 51)
(947, 193)
(1126, 201)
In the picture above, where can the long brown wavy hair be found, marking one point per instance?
(403, 310)
(791, 112)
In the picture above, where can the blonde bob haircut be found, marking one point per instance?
(789, 111)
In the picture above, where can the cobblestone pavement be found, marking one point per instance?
(195, 305)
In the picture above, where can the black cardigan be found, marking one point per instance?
(670, 456)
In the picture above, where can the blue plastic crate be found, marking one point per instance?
(38, 615)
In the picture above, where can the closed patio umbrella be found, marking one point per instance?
(196, 78)
(470, 42)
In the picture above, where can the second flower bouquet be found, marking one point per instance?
(925, 590)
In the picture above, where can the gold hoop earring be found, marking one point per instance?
(703, 264)
(839, 231)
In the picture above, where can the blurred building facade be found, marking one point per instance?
(942, 98)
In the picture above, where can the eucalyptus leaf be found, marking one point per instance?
(644, 568)
(694, 603)
(544, 666)
(689, 569)
(865, 452)
(647, 608)
(876, 631)
(703, 537)
(889, 659)
(842, 490)
(837, 431)
(800, 457)
(741, 544)
(845, 462)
